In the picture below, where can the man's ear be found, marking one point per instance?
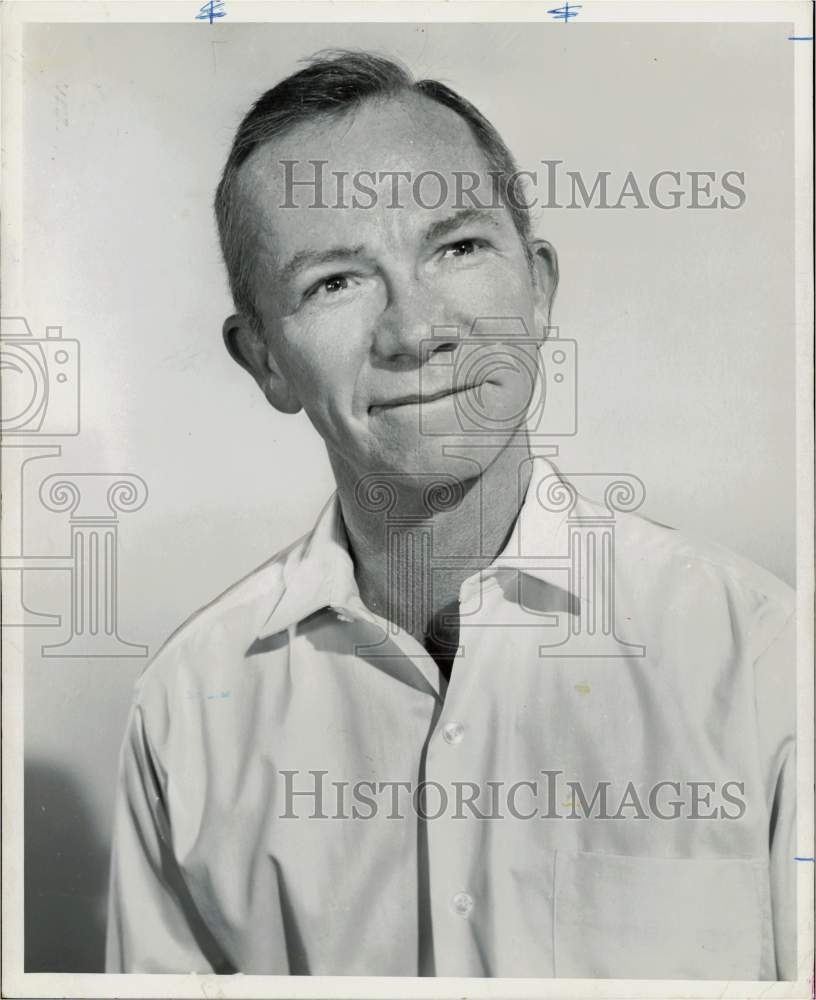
(249, 348)
(545, 277)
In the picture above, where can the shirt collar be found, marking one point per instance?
(319, 573)
(533, 540)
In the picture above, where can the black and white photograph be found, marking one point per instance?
(407, 465)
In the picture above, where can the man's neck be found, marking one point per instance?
(414, 544)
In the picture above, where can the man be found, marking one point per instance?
(421, 741)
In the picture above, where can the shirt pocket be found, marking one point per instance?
(623, 917)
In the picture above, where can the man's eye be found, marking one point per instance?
(329, 286)
(337, 283)
(460, 249)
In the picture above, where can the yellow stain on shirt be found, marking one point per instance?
(583, 688)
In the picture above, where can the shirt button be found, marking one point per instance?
(462, 903)
(453, 732)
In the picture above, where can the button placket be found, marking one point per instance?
(450, 847)
(454, 761)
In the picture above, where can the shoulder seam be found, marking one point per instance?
(790, 618)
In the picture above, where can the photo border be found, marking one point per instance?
(797, 16)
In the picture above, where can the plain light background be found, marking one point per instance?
(684, 320)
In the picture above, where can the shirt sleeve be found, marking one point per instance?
(776, 712)
(153, 925)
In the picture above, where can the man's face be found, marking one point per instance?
(353, 297)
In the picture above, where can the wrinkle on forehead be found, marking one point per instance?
(406, 132)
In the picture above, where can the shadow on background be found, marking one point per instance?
(66, 875)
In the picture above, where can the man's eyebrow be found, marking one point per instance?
(311, 258)
(463, 217)
(436, 231)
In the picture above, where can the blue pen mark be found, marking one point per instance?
(211, 10)
(804, 859)
(566, 12)
(222, 694)
(800, 38)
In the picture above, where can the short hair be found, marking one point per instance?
(333, 83)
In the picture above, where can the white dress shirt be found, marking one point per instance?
(670, 680)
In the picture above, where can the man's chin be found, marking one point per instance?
(460, 455)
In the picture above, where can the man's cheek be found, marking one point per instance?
(324, 386)
(493, 293)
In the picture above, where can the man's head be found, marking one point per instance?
(354, 298)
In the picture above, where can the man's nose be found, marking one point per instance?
(413, 326)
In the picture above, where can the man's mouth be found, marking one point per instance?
(422, 399)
